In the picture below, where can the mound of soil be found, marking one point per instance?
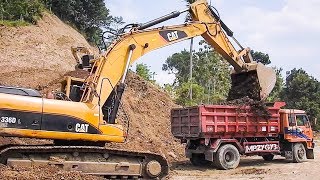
(34, 55)
(148, 109)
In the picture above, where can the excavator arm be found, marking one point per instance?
(112, 67)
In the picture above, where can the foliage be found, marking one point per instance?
(183, 93)
(169, 89)
(302, 91)
(278, 88)
(14, 23)
(144, 71)
(210, 72)
(261, 57)
(20, 10)
(89, 17)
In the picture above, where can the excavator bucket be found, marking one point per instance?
(256, 84)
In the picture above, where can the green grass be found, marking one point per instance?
(14, 23)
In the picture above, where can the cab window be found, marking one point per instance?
(302, 120)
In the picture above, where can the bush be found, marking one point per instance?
(21, 10)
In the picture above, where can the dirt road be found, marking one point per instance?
(253, 168)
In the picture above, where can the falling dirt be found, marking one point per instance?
(245, 85)
(245, 91)
(257, 107)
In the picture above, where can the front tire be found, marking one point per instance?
(227, 157)
(299, 153)
(268, 157)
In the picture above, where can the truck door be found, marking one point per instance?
(304, 124)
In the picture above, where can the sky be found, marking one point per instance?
(288, 30)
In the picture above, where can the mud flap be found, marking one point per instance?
(209, 155)
(288, 155)
(310, 154)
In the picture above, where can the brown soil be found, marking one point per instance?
(148, 109)
(258, 108)
(245, 85)
(41, 173)
(34, 55)
(245, 91)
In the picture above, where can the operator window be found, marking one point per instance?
(302, 120)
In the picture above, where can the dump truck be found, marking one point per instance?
(219, 134)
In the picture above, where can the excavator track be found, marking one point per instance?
(101, 161)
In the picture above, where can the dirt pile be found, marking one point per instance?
(34, 55)
(148, 109)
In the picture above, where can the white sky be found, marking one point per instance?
(288, 30)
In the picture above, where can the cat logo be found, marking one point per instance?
(172, 36)
(83, 128)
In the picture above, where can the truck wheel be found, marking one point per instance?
(299, 153)
(199, 160)
(268, 157)
(227, 157)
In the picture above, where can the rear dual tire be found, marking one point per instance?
(227, 157)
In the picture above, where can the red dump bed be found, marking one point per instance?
(221, 121)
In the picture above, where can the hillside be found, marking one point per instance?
(32, 56)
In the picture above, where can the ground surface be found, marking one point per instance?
(251, 168)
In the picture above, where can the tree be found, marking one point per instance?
(302, 91)
(144, 71)
(278, 88)
(210, 71)
(89, 17)
(183, 94)
(21, 10)
(261, 57)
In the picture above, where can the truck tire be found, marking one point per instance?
(227, 157)
(268, 157)
(299, 153)
(199, 160)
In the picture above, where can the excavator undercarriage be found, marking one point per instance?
(101, 161)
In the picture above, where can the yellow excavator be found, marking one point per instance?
(81, 123)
